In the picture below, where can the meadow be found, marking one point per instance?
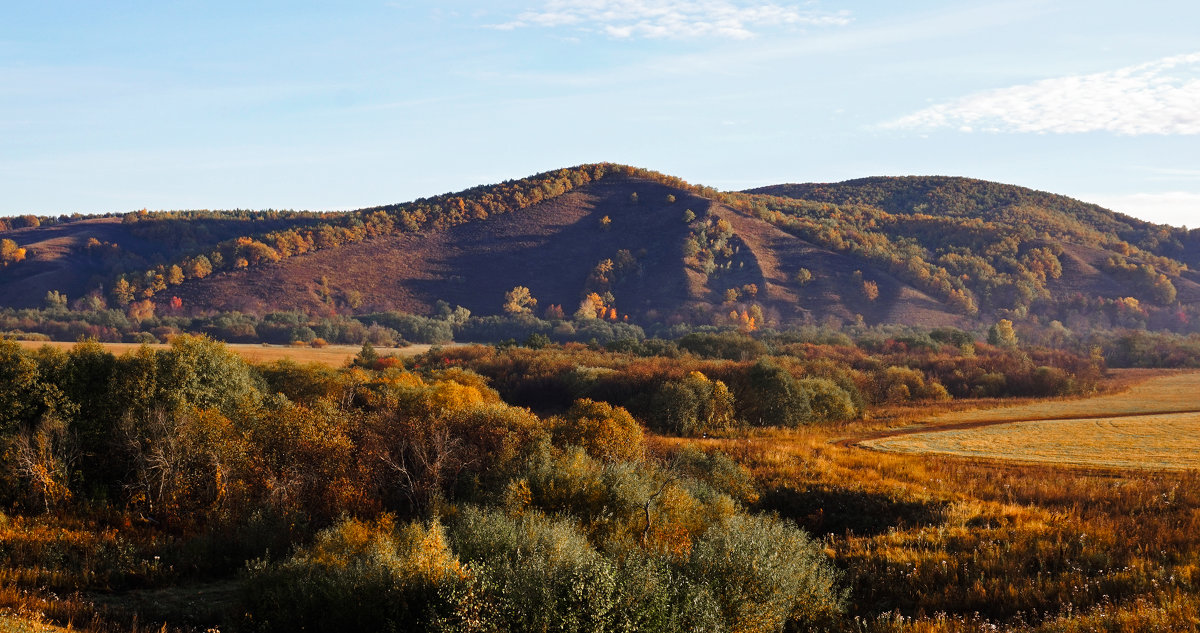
(1154, 425)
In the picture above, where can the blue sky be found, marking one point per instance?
(176, 105)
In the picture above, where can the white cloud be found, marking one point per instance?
(1177, 208)
(1160, 97)
(673, 19)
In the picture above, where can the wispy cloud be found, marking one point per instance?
(1160, 97)
(1177, 208)
(672, 19)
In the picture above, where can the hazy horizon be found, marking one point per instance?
(110, 109)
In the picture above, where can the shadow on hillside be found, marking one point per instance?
(825, 510)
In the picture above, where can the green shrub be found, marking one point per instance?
(692, 406)
(765, 574)
(828, 401)
(540, 574)
(773, 397)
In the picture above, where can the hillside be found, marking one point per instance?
(925, 251)
(558, 250)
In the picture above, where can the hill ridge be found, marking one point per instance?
(942, 250)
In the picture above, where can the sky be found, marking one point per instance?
(118, 106)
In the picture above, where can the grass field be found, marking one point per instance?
(332, 355)
(1154, 425)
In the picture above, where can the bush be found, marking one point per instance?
(363, 577)
(604, 431)
(773, 397)
(540, 574)
(765, 574)
(828, 401)
(692, 406)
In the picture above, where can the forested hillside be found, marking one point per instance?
(625, 245)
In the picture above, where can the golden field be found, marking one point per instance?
(1154, 425)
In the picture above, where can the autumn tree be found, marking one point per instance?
(519, 301)
(692, 406)
(10, 253)
(604, 431)
(1002, 334)
(174, 275)
(199, 267)
(55, 301)
(123, 292)
(592, 307)
(870, 290)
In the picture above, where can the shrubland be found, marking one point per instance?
(647, 485)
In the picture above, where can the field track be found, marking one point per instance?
(332, 355)
(1154, 425)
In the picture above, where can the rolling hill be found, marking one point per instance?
(926, 251)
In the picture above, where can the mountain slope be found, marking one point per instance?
(925, 251)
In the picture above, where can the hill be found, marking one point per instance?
(636, 245)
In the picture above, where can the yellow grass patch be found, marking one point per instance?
(1154, 425)
(1162, 394)
(15, 624)
(1169, 441)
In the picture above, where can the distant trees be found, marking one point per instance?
(10, 253)
(198, 267)
(55, 300)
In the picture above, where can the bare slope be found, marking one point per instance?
(550, 248)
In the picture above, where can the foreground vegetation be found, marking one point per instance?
(651, 486)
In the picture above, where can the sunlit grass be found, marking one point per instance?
(1133, 429)
(1168, 441)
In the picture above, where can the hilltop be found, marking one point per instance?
(640, 246)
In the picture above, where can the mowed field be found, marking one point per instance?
(1154, 425)
(332, 355)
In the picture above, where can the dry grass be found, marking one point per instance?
(332, 355)
(937, 543)
(1153, 425)
(16, 624)
(1160, 442)
(1169, 393)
